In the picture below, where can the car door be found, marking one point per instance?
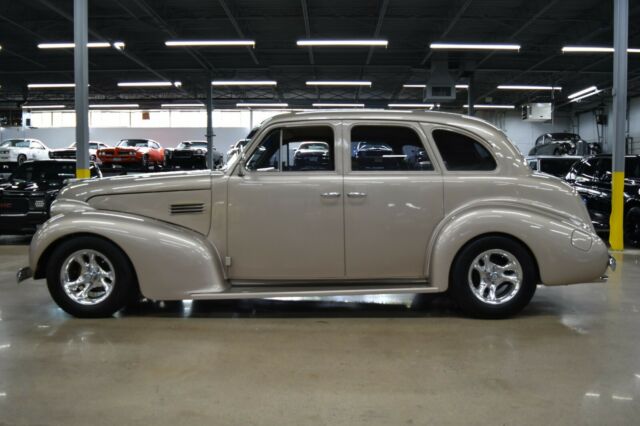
(393, 199)
(37, 151)
(285, 219)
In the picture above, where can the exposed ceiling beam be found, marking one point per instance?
(236, 26)
(447, 30)
(307, 28)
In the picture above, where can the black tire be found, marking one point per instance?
(124, 289)
(21, 159)
(145, 162)
(632, 227)
(461, 288)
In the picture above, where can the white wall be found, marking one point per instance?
(58, 137)
(524, 133)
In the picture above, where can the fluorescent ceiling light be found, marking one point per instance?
(244, 83)
(264, 105)
(473, 46)
(336, 105)
(114, 106)
(43, 106)
(414, 86)
(71, 45)
(195, 43)
(593, 49)
(582, 92)
(462, 86)
(118, 45)
(339, 83)
(527, 87)
(342, 43)
(411, 105)
(489, 106)
(198, 105)
(50, 85)
(149, 84)
(586, 95)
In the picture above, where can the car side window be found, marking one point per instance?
(36, 145)
(462, 153)
(295, 149)
(387, 148)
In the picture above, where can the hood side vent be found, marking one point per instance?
(187, 208)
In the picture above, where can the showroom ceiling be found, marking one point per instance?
(542, 28)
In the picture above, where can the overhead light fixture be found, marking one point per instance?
(579, 98)
(261, 105)
(582, 92)
(411, 105)
(149, 84)
(490, 106)
(199, 43)
(414, 86)
(527, 87)
(93, 44)
(121, 106)
(244, 83)
(473, 46)
(339, 83)
(336, 105)
(194, 105)
(462, 86)
(43, 106)
(594, 49)
(335, 43)
(51, 85)
(118, 45)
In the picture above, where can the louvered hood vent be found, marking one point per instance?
(187, 208)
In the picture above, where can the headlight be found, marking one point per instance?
(198, 151)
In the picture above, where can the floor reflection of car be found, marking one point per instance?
(592, 179)
(26, 196)
(70, 151)
(557, 166)
(191, 154)
(311, 155)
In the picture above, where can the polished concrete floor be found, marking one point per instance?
(573, 357)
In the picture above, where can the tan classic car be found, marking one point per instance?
(404, 202)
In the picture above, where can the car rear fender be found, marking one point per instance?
(170, 262)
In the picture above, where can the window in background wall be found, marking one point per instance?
(40, 119)
(109, 119)
(63, 119)
(230, 118)
(153, 119)
(190, 118)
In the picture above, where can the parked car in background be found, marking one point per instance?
(133, 153)
(592, 179)
(191, 155)
(237, 147)
(557, 166)
(14, 152)
(70, 151)
(26, 196)
(311, 155)
(473, 221)
(555, 144)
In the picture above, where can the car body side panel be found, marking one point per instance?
(170, 262)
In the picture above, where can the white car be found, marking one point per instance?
(20, 150)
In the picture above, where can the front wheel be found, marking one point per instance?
(21, 159)
(89, 277)
(493, 277)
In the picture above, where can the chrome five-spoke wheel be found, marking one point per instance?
(87, 277)
(495, 276)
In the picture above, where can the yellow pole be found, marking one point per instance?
(616, 220)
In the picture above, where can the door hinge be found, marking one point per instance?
(227, 261)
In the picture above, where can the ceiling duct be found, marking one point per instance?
(441, 87)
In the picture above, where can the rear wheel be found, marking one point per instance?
(632, 227)
(89, 277)
(493, 277)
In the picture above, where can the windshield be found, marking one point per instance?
(15, 143)
(134, 143)
(44, 171)
(187, 145)
(315, 146)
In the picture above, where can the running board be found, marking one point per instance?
(262, 291)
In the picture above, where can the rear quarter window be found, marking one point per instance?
(462, 153)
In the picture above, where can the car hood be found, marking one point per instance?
(136, 184)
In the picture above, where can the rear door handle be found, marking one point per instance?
(356, 194)
(330, 194)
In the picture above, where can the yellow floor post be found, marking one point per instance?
(83, 173)
(616, 220)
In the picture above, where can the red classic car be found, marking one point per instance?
(132, 153)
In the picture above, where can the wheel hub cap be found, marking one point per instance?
(87, 277)
(495, 276)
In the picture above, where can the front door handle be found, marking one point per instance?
(356, 194)
(330, 194)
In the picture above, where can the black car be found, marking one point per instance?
(25, 197)
(554, 165)
(592, 179)
(563, 144)
(192, 155)
(311, 155)
(371, 155)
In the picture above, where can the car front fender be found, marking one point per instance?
(564, 252)
(170, 262)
